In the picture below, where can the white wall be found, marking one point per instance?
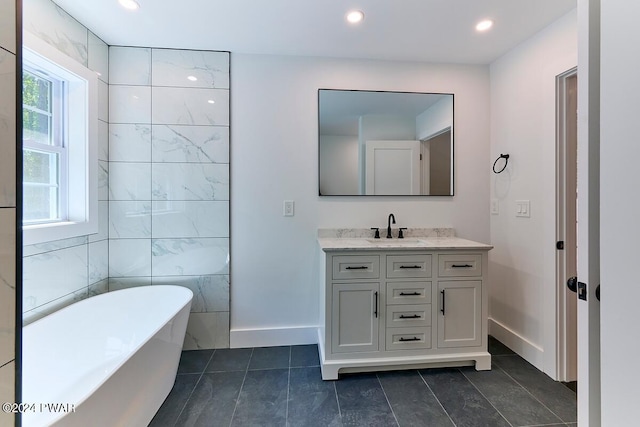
(435, 119)
(339, 160)
(522, 265)
(274, 156)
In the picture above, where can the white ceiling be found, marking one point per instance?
(439, 31)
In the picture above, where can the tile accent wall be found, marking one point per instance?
(169, 179)
(8, 49)
(59, 273)
(163, 180)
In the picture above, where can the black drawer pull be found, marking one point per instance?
(410, 266)
(406, 294)
(360, 267)
(413, 316)
(461, 266)
(402, 339)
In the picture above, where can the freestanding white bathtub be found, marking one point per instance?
(109, 360)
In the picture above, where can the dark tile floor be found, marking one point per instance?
(281, 386)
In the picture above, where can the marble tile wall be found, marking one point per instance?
(8, 88)
(169, 179)
(59, 273)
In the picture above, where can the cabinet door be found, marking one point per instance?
(460, 315)
(355, 313)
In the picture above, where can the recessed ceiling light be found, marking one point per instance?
(355, 16)
(192, 78)
(211, 101)
(129, 4)
(484, 25)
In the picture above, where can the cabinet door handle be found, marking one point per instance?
(413, 316)
(375, 306)
(442, 309)
(410, 266)
(359, 267)
(461, 266)
(403, 339)
(405, 294)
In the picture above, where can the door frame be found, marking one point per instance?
(589, 393)
(566, 220)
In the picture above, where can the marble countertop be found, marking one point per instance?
(410, 242)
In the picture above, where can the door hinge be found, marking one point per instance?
(420, 156)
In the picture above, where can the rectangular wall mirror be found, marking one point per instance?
(385, 143)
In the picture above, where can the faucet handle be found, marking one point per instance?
(377, 235)
(400, 235)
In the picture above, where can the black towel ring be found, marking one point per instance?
(506, 162)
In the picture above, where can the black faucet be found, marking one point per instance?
(391, 218)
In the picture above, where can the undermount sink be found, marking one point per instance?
(394, 241)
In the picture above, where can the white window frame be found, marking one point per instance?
(81, 142)
(58, 136)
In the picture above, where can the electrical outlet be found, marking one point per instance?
(287, 209)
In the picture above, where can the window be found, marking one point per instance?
(44, 150)
(59, 145)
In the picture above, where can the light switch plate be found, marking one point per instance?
(523, 208)
(495, 207)
(287, 208)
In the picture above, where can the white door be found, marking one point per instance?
(392, 167)
(619, 208)
(589, 215)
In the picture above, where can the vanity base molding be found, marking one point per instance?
(403, 307)
(331, 369)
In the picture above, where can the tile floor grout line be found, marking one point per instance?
(286, 414)
(486, 398)
(194, 388)
(335, 391)
(531, 394)
(437, 400)
(387, 398)
(235, 408)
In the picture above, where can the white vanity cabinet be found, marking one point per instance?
(400, 308)
(355, 318)
(460, 292)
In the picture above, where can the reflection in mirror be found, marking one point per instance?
(385, 143)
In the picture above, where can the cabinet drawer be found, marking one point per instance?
(400, 316)
(399, 266)
(356, 267)
(468, 265)
(408, 293)
(408, 338)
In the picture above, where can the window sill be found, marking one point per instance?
(44, 233)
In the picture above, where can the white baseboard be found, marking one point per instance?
(272, 337)
(526, 349)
